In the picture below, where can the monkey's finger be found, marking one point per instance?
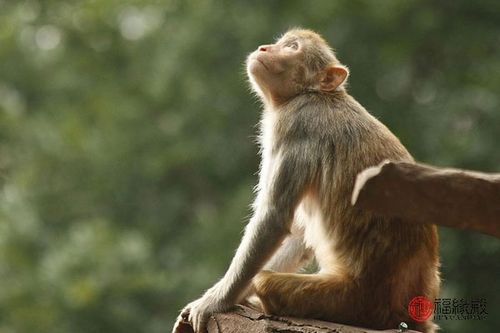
(201, 323)
(185, 313)
(194, 319)
(194, 323)
(189, 316)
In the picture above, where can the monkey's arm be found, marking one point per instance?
(268, 227)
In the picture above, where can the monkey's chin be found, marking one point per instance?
(255, 66)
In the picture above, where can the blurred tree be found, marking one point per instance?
(126, 142)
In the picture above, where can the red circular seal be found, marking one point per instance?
(420, 308)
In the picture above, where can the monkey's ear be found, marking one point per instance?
(333, 77)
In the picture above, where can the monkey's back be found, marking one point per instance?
(391, 260)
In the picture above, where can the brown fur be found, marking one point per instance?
(315, 139)
(380, 264)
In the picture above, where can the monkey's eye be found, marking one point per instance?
(293, 45)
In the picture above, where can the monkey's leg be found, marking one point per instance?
(321, 296)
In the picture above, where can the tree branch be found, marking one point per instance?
(247, 320)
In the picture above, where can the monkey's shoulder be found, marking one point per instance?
(327, 114)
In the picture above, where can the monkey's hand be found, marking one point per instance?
(198, 312)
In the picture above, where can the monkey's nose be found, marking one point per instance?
(263, 48)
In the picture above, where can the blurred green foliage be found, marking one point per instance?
(126, 142)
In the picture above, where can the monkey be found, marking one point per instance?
(315, 138)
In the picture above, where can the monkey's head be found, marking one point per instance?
(298, 62)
